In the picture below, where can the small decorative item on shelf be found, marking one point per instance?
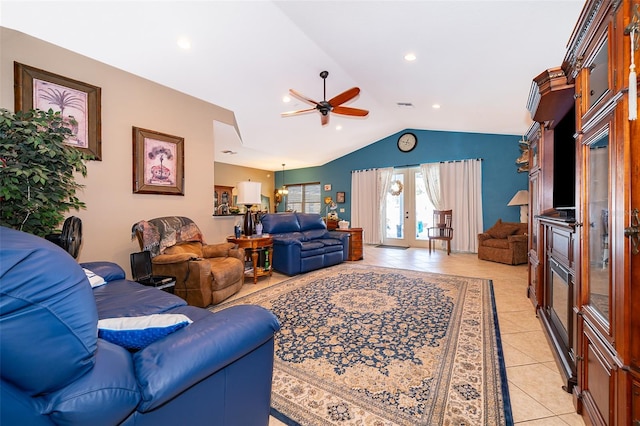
(266, 260)
(237, 231)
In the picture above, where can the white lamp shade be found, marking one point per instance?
(249, 193)
(520, 199)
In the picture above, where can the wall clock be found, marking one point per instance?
(407, 142)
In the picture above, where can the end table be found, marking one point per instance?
(252, 246)
(355, 243)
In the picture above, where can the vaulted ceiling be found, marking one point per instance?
(475, 59)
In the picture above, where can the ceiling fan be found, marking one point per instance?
(332, 105)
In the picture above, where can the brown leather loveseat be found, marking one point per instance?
(504, 242)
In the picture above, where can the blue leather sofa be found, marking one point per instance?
(55, 370)
(302, 243)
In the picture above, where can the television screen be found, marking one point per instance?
(564, 163)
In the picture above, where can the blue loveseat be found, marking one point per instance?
(56, 370)
(302, 243)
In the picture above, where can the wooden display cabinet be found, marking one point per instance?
(222, 195)
(595, 330)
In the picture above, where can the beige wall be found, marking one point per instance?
(128, 101)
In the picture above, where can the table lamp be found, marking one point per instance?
(521, 199)
(249, 195)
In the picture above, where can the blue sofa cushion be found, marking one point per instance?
(288, 238)
(279, 223)
(138, 332)
(311, 245)
(309, 221)
(46, 307)
(315, 234)
(122, 298)
(330, 242)
(106, 395)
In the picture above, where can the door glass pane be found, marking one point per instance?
(424, 208)
(598, 232)
(395, 208)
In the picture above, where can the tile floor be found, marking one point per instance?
(534, 381)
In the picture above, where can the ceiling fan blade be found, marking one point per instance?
(300, 111)
(350, 111)
(303, 97)
(324, 119)
(345, 96)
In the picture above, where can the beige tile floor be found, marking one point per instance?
(534, 381)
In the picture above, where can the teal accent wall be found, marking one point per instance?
(500, 178)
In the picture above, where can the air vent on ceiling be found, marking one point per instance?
(228, 151)
(404, 104)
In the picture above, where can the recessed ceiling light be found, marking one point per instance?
(184, 43)
(286, 99)
(435, 106)
(338, 127)
(410, 57)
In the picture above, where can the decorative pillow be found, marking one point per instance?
(94, 279)
(138, 332)
(502, 230)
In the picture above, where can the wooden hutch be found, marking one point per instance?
(584, 186)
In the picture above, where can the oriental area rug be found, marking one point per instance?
(363, 345)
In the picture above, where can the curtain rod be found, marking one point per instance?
(460, 161)
(418, 165)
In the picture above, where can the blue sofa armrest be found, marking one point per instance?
(345, 237)
(171, 365)
(342, 236)
(108, 270)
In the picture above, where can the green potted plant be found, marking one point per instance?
(37, 171)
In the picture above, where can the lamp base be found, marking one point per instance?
(524, 214)
(248, 222)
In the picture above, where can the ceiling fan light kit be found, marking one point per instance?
(332, 105)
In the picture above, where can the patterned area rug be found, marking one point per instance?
(365, 345)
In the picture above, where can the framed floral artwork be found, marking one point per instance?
(79, 104)
(158, 163)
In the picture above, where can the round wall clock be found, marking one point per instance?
(407, 141)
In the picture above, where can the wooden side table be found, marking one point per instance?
(355, 243)
(252, 246)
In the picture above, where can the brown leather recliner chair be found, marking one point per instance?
(504, 242)
(206, 274)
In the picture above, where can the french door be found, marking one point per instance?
(407, 211)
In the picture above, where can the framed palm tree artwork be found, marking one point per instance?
(78, 103)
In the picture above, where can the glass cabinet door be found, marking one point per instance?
(597, 217)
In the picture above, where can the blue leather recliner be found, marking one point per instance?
(302, 243)
(55, 370)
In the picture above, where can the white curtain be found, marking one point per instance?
(368, 188)
(384, 181)
(431, 178)
(461, 189)
(364, 191)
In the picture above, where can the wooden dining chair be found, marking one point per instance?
(441, 229)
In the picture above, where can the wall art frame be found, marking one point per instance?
(80, 103)
(158, 163)
(340, 197)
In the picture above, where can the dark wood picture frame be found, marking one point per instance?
(340, 196)
(158, 163)
(80, 100)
